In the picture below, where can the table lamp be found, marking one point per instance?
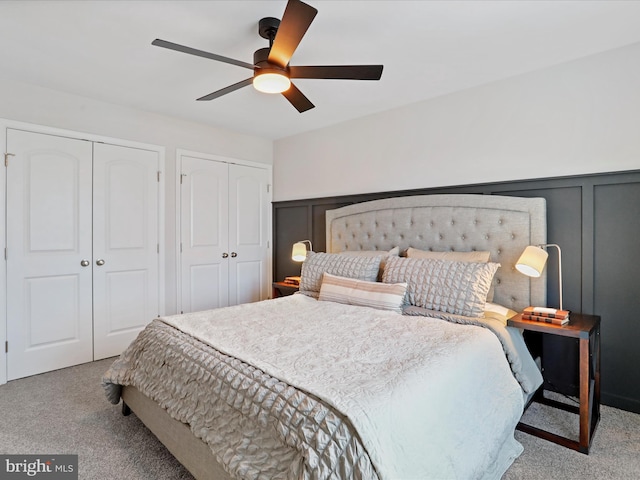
(533, 260)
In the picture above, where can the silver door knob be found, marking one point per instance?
(225, 255)
(234, 254)
(100, 262)
(85, 263)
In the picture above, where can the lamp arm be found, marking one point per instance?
(559, 267)
(309, 242)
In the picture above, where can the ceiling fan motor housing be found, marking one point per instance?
(260, 58)
(263, 70)
(262, 64)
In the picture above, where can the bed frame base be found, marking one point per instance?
(190, 451)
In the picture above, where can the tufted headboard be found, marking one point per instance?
(502, 225)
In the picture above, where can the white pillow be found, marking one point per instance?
(498, 312)
(383, 296)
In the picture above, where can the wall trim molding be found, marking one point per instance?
(532, 183)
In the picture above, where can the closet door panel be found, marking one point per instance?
(203, 279)
(248, 281)
(204, 218)
(125, 245)
(248, 204)
(49, 293)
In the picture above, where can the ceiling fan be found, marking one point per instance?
(271, 70)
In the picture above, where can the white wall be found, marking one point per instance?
(575, 118)
(32, 104)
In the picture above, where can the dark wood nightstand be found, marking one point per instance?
(586, 328)
(282, 289)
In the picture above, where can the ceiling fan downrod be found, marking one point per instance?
(267, 28)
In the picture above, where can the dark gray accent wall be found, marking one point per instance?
(616, 286)
(596, 221)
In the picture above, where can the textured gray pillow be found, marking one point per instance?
(453, 287)
(382, 254)
(315, 265)
(474, 256)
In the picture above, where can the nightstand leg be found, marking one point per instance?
(585, 398)
(596, 378)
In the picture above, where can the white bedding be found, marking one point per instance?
(429, 398)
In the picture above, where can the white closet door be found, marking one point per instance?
(125, 245)
(48, 242)
(248, 230)
(204, 219)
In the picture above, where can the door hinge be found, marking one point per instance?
(158, 176)
(6, 346)
(6, 158)
(5, 253)
(180, 247)
(268, 187)
(158, 247)
(182, 175)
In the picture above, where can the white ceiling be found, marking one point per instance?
(102, 50)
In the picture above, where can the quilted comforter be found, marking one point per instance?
(300, 389)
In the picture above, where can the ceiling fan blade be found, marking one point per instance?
(342, 72)
(297, 99)
(229, 89)
(294, 24)
(199, 53)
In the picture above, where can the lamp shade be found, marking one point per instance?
(299, 252)
(532, 261)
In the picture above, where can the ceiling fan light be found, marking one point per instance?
(271, 82)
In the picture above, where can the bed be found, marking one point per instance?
(300, 387)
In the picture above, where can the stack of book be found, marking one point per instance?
(547, 315)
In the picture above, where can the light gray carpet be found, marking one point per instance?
(614, 454)
(66, 412)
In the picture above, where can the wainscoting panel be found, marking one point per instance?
(290, 224)
(596, 221)
(617, 288)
